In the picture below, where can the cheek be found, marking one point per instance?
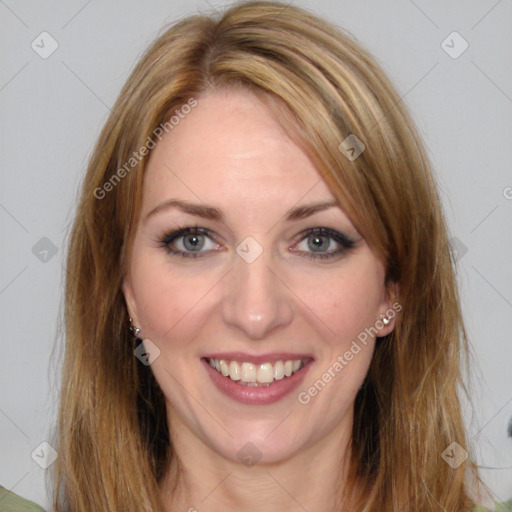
(345, 301)
(345, 307)
(168, 300)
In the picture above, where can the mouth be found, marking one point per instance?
(245, 373)
(259, 380)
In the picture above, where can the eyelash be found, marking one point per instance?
(345, 242)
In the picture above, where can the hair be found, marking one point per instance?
(113, 442)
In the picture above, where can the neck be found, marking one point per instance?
(199, 479)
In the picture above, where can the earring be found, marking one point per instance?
(385, 320)
(135, 330)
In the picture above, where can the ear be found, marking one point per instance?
(389, 310)
(129, 298)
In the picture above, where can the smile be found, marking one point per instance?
(250, 374)
(257, 380)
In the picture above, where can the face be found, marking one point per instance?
(250, 297)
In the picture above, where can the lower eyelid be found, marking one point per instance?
(333, 253)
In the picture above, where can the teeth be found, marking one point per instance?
(234, 371)
(265, 373)
(253, 374)
(224, 368)
(248, 372)
(278, 370)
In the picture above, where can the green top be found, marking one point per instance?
(500, 507)
(10, 502)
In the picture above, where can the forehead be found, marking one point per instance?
(230, 149)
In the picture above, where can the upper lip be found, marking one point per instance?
(259, 358)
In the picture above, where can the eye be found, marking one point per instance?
(189, 242)
(196, 242)
(316, 243)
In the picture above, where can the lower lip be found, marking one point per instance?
(256, 395)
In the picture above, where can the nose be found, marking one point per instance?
(255, 300)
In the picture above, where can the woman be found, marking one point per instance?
(261, 308)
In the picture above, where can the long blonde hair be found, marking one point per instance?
(113, 443)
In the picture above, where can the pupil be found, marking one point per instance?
(192, 242)
(319, 242)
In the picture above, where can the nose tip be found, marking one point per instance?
(255, 300)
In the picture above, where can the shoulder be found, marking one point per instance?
(499, 507)
(10, 502)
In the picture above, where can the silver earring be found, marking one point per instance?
(135, 330)
(385, 320)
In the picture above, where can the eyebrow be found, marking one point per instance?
(215, 214)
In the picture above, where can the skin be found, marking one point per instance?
(231, 152)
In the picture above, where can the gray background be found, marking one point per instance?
(51, 113)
